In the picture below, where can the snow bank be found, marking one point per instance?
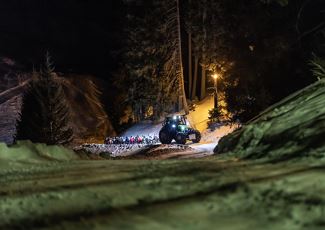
(143, 128)
(26, 151)
(293, 128)
(213, 136)
(113, 150)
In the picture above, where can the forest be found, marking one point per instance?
(262, 51)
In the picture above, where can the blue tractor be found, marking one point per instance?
(175, 128)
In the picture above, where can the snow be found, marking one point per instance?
(26, 151)
(113, 149)
(210, 138)
(213, 136)
(199, 118)
(143, 128)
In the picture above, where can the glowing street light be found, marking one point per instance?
(215, 77)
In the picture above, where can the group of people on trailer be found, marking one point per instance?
(150, 139)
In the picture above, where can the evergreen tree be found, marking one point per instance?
(318, 67)
(45, 113)
(318, 61)
(152, 70)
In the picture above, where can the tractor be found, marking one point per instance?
(175, 128)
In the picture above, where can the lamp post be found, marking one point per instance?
(215, 95)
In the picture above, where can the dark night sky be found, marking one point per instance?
(80, 34)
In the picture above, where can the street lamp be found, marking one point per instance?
(215, 95)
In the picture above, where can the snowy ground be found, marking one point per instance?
(39, 192)
(144, 128)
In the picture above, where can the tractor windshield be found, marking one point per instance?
(179, 120)
(175, 120)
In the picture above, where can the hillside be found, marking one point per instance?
(293, 129)
(89, 118)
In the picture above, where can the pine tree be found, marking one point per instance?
(153, 66)
(318, 67)
(45, 113)
(318, 61)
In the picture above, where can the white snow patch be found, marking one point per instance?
(199, 118)
(213, 136)
(114, 149)
(143, 128)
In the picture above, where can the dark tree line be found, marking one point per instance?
(151, 73)
(262, 49)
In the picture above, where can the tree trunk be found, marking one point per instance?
(181, 75)
(190, 74)
(203, 79)
(203, 83)
(196, 66)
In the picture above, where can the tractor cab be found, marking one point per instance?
(175, 127)
(175, 120)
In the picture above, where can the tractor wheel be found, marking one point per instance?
(180, 138)
(197, 137)
(164, 137)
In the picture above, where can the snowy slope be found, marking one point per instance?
(143, 128)
(199, 118)
(291, 129)
(26, 152)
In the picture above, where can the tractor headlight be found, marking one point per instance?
(174, 126)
